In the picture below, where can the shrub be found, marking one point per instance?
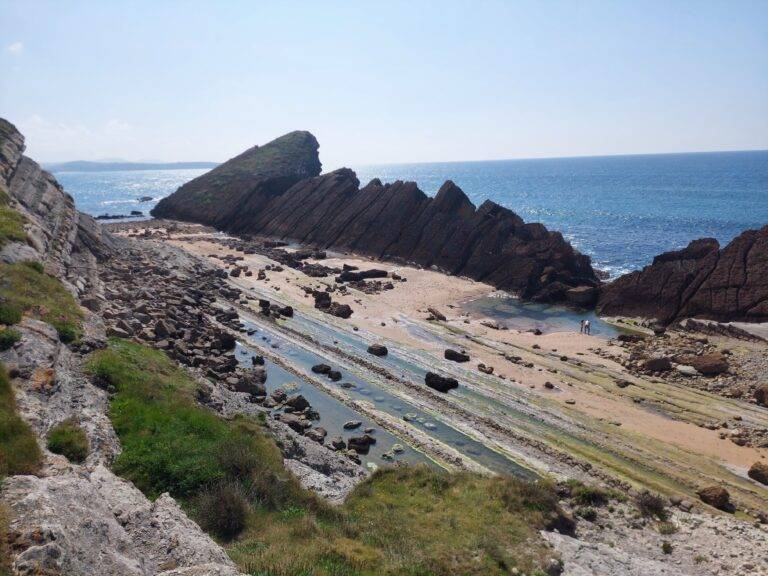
(34, 265)
(223, 509)
(652, 505)
(8, 338)
(666, 547)
(19, 452)
(69, 439)
(666, 528)
(587, 512)
(9, 314)
(588, 495)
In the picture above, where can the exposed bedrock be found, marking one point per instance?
(280, 194)
(701, 281)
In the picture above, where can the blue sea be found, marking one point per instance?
(621, 210)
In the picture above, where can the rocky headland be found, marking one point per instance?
(276, 190)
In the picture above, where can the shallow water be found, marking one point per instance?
(359, 388)
(519, 315)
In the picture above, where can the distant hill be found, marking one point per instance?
(86, 166)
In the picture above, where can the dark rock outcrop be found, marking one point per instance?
(244, 184)
(440, 383)
(279, 194)
(701, 280)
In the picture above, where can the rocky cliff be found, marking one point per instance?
(701, 281)
(74, 518)
(251, 194)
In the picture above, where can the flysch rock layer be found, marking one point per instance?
(699, 281)
(276, 190)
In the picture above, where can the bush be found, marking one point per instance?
(652, 505)
(587, 512)
(666, 547)
(69, 439)
(19, 452)
(223, 510)
(8, 338)
(9, 314)
(666, 528)
(11, 222)
(34, 265)
(588, 495)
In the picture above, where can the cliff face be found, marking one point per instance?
(244, 182)
(67, 242)
(701, 281)
(391, 221)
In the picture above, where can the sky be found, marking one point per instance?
(381, 82)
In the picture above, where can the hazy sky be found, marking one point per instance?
(384, 81)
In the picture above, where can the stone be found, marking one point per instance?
(662, 364)
(456, 356)
(440, 383)
(707, 364)
(759, 472)
(377, 350)
(352, 424)
(761, 394)
(321, 369)
(297, 402)
(715, 496)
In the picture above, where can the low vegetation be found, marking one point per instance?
(69, 440)
(11, 222)
(229, 475)
(25, 288)
(651, 505)
(19, 452)
(8, 337)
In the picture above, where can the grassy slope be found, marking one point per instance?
(24, 287)
(19, 454)
(412, 521)
(11, 222)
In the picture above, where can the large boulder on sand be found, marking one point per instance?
(657, 365)
(456, 356)
(761, 395)
(378, 350)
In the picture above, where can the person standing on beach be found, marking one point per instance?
(587, 327)
(581, 327)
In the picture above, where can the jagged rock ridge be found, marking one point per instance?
(699, 281)
(394, 221)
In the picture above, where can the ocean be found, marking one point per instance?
(620, 210)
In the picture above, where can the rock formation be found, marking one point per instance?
(245, 183)
(701, 281)
(279, 194)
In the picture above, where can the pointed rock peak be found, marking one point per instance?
(374, 182)
(696, 250)
(451, 198)
(292, 155)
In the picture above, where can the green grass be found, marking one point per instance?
(24, 288)
(11, 222)
(229, 475)
(69, 439)
(19, 452)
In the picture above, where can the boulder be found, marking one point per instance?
(759, 472)
(321, 369)
(436, 314)
(297, 402)
(761, 395)
(377, 350)
(361, 444)
(661, 364)
(440, 383)
(715, 496)
(707, 364)
(456, 356)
